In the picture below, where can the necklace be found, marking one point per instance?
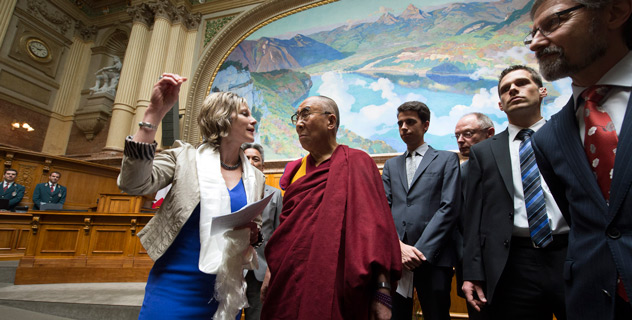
(233, 167)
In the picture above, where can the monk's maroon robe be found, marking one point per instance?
(336, 235)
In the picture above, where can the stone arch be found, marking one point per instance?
(223, 44)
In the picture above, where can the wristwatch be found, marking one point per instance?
(148, 125)
(384, 285)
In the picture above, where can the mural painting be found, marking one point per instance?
(370, 58)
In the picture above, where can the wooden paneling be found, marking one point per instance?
(121, 203)
(14, 234)
(84, 181)
(84, 247)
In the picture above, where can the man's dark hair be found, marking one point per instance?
(535, 76)
(57, 172)
(595, 4)
(421, 108)
(11, 169)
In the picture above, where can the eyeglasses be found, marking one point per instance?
(468, 134)
(304, 115)
(550, 25)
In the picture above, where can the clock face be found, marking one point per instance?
(38, 48)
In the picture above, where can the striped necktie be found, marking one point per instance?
(539, 228)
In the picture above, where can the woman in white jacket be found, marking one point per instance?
(195, 275)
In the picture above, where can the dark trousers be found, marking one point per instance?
(531, 286)
(433, 286)
(253, 290)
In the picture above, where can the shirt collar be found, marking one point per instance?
(617, 76)
(514, 129)
(421, 150)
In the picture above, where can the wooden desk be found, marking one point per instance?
(75, 247)
(14, 234)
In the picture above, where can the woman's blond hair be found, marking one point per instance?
(216, 115)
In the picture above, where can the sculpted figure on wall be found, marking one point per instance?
(107, 78)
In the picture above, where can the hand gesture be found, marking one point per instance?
(474, 294)
(165, 94)
(411, 256)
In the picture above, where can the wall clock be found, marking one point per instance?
(38, 49)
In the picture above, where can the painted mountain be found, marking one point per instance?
(268, 54)
(457, 49)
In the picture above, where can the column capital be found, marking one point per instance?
(141, 13)
(164, 9)
(192, 21)
(86, 33)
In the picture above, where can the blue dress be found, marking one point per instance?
(176, 288)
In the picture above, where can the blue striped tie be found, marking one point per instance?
(539, 228)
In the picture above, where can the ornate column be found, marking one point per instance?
(173, 60)
(125, 100)
(192, 23)
(155, 61)
(6, 12)
(69, 93)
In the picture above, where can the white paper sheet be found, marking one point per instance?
(405, 284)
(221, 224)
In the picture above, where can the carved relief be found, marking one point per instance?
(92, 117)
(35, 224)
(133, 225)
(164, 9)
(47, 163)
(84, 32)
(9, 160)
(87, 223)
(141, 13)
(56, 19)
(26, 177)
(192, 21)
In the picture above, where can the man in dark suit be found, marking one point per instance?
(270, 215)
(584, 152)
(471, 129)
(423, 189)
(10, 189)
(515, 234)
(49, 192)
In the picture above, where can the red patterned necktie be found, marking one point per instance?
(600, 139)
(600, 144)
(52, 189)
(6, 186)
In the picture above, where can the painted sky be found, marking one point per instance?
(346, 12)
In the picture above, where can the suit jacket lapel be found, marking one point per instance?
(500, 149)
(430, 155)
(401, 167)
(622, 177)
(571, 145)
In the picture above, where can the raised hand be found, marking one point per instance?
(165, 94)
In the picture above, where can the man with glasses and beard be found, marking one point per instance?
(584, 150)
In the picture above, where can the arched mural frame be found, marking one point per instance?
(223, 44)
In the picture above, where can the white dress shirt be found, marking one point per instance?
(521, 222)
(616, 101)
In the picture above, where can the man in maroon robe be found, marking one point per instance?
(335, 254)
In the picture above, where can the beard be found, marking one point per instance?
(557, 65)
